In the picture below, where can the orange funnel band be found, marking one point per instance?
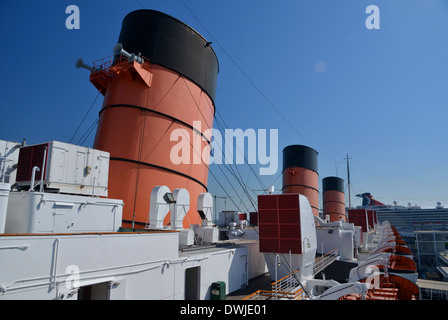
(305, 182)
(333, 198)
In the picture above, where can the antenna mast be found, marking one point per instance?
(348, 179)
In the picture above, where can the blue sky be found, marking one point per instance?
(381, 98)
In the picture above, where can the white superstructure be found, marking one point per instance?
(58, 245)
(71, 246)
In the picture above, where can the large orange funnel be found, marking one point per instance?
(300, 174)
(152, 106)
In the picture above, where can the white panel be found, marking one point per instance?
(4, 198)
(9, 155)
(158, 207)
(35, 212)
(75, 169)
(181, 207)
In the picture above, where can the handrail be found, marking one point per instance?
(289, 286)
(268, 295)
(325, 260)
(107, 62)
(103, 63)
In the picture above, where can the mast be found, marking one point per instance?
(348, 181)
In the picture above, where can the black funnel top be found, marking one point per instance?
(171, 43)
(299, 156)
(333, 184)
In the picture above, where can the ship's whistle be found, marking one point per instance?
(118, 49)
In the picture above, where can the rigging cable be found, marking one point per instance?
(252, 82)
(85, 116)
(88, 132)
(217, 180)
(234, 144)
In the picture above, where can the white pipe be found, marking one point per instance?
(43, 172)
(55, 261)
(276, 284)
(33, 177)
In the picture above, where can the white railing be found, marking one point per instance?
(322, 262)
(289, 287)
(286, 288)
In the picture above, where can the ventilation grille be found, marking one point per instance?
(30, 157)
(279, 223)
(359, 217)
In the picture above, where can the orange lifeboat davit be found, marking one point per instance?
(157, 113)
